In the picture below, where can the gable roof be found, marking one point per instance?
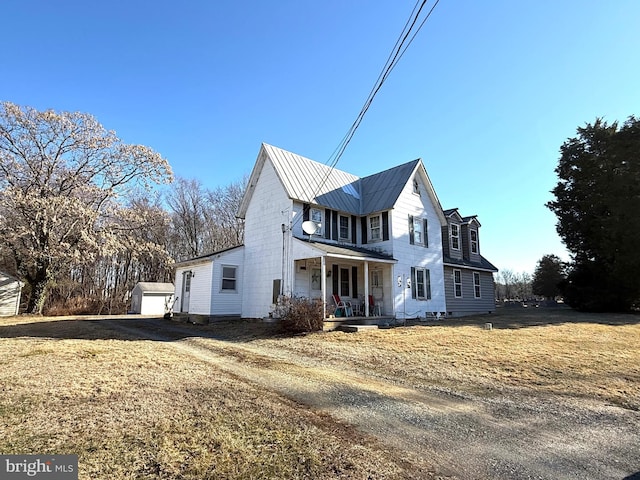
(154, 287)
(309, 181)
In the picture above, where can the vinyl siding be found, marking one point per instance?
(468, 304)
(9, 295)
(227, 302)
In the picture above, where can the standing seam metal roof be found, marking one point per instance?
(312, 182)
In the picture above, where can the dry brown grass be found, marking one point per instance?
(142, 409)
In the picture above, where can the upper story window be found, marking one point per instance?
(418, 233)
(474, 241)
(416, 187)
(229, 278)
(316, 217)
(455, 236)
(344, 227)
(375, 228)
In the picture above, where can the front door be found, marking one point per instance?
(186, 289)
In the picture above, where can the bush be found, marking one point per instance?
(300, 315)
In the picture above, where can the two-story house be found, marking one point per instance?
(316, 232)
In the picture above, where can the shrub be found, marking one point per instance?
(300, 315)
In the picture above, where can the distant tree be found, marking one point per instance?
(597, 200)
(548, 276)
(62, 181)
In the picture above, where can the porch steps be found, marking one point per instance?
(357, 328)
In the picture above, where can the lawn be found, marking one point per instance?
(142, 409)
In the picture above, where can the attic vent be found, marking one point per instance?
(349, 190)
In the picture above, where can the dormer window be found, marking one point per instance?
(455, 237)
(474, 241)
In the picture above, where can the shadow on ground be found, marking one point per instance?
(239, 330)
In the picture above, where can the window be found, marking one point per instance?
(344, 282)
(455, 237)
(422, 283)
(418, 231)
(343, 227)
(476, 284)
(375, 228)
(187, 281)
(316, 217)
(228, 278)
(474, 241)
(457, 283)
(316, 275)
(416, 187)
(376, 278)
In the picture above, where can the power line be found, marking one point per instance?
(394, 57)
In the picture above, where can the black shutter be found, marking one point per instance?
(353, 229)
(411, 236)
(413, 282)
(424, 232)
(334, 224)
(385, 225)
(363, 227)
(335, 280)
(327, 223)
(354, 280)
(305, 212)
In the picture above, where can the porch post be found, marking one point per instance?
(323, 285)
(366, 288)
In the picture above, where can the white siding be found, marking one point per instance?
(409, 255)
(154, 304)
(9, 295)
(269, 208)
(225, 302)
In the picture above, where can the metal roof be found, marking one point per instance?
(347, 250)
(155, 287)
(313, 182)
(381, 190)
(483, 265)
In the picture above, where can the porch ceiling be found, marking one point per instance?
(345, 251)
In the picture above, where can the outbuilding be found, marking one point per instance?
(10, 289)
(152, 298)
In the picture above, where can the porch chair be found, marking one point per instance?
(347, 310)
(373, 308)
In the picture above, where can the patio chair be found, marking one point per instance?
(347, 310)
(373, 308)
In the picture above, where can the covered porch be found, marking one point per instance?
(354, 283)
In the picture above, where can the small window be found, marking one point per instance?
(416, 187)
(476, 284)
(344, 282)
(474, 241)
(316, 217)
(343, 227)
(375, 228)
(229, 279)
(187, 281)
(422, 283)
(457, 283)
(455, 237)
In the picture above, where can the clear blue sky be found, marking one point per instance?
(485, 95)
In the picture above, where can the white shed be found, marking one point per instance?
(152, 298)
(10, 289)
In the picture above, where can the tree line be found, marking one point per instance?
(85, 216)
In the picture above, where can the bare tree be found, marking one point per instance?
(62, 178)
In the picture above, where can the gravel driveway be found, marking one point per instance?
(439, 434)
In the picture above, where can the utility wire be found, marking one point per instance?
(394, 57)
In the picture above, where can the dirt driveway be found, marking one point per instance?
(440, 434)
